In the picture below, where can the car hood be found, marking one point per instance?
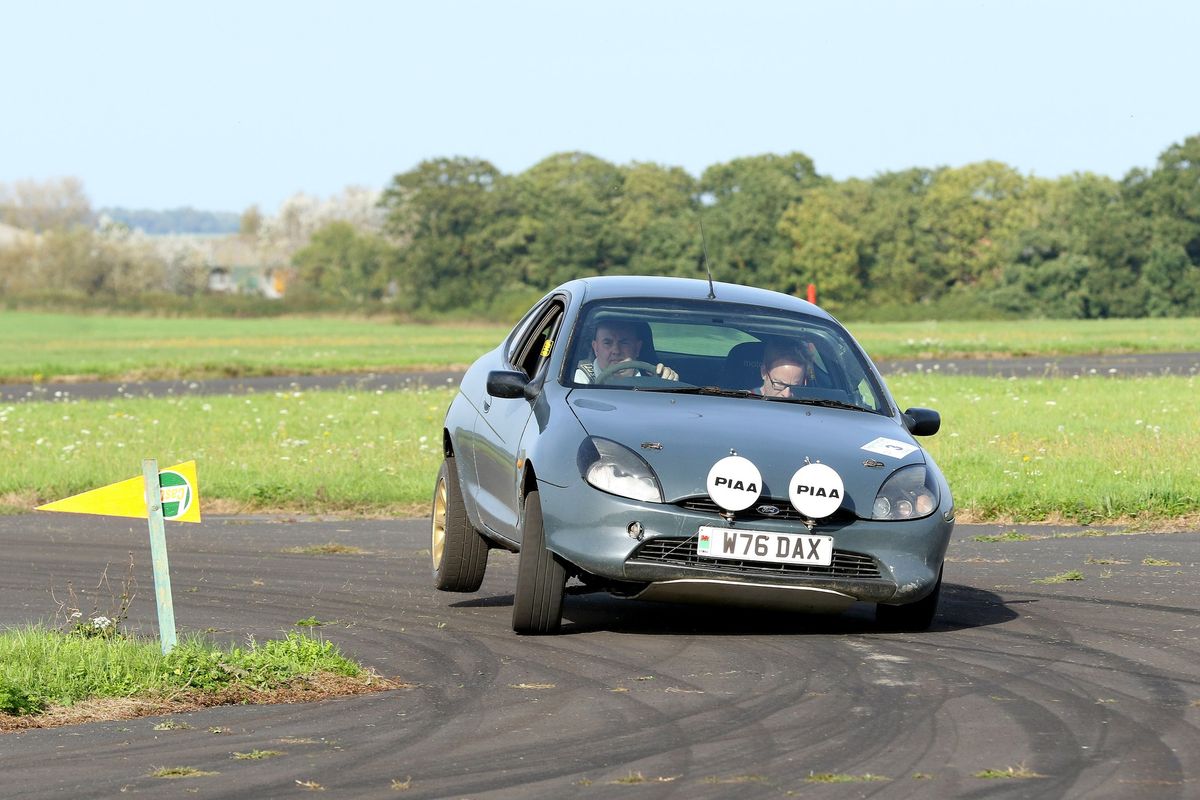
(682, 436)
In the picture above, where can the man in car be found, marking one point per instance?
(617, 341)
(786, 368)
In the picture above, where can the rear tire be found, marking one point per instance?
(459, 552)
(541, 577)
(913, 617)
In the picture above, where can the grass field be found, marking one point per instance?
(967, 339)
(52, 347)
(1084, 449)
(312, 451)
(1087, 449)
(43, 347)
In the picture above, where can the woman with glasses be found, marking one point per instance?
(786, 368)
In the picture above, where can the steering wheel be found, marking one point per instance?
(606, 373)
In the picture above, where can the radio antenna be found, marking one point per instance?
(712, 295)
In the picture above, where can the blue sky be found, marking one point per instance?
(220, 105)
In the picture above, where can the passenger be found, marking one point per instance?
(616, 341)
(786, 368)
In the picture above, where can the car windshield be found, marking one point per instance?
(728, 349)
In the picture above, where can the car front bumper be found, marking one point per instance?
(654, 544)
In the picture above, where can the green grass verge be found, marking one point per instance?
(41, 667)
(36, 346)
(366, 452)
(1085, 449)
(987, 338)
(44, 346)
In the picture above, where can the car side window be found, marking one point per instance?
(537, 343)
(522, 330)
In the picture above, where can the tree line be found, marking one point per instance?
(458, 236)
(174, 220)
(961, 241)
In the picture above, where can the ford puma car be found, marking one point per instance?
(673, 439)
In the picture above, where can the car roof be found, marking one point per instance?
(608, 287)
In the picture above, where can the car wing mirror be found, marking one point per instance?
(922, 421)
(507, 384)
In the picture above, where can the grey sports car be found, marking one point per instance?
(675, 439)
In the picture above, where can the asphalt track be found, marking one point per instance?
(1023, 367)
(1092, 685)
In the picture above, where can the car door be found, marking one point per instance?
(502, 421)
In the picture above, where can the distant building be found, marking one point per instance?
(220, 279)
(270, 282)
(236, 264)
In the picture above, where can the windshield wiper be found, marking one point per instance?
(717, 391)
(824, 402)
(709, 390)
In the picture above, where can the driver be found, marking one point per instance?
(617, 341)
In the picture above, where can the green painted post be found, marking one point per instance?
(158, 555)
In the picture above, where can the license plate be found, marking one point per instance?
(775, 548)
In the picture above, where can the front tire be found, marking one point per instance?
(459, 552)
(541, 577)
(913, 617)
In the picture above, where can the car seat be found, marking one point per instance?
(648, 353)
(743, 366)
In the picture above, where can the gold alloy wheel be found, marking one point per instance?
(438, 544)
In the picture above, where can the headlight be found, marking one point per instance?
(910, 493)
(616, 469)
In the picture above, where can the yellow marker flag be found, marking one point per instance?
(180, 497)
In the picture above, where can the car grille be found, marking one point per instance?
(679, 551)
(705, 505)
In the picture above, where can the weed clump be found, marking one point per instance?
(196, 665)
(1062, 577)
(44, 671)
(17, 700)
